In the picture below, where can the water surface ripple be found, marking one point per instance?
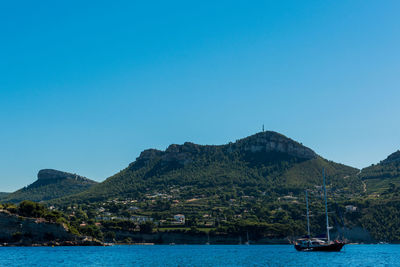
(198, 255)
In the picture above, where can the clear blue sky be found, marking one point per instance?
(85, 86)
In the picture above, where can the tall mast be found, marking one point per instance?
(308, 216)
(326, 209)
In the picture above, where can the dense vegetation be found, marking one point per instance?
(3, 195)
(379, 177)
(229, 170)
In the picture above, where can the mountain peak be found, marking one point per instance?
(394, 157)
(51, 184)
(267, 143)
(270, 141)
(50, 174)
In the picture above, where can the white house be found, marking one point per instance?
(351, 208)
(179, 218)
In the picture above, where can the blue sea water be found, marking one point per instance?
(201, 255)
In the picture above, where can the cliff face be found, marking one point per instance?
(22, 231)
(49, 175)
(274, 142)
(264, 142)
(19, 230)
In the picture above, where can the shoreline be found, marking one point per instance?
(74, 244)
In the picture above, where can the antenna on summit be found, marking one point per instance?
(263, 128)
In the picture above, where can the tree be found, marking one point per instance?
(109, 236)
(147, 227)
(31, 209)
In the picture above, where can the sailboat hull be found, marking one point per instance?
(334, 247)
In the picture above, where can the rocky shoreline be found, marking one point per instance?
(83, 243)
(23, 231)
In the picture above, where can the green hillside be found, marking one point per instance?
(3, 195)
(51, 184)
(266, 164)
(252, 186)
(384, 175)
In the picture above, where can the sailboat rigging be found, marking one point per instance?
(318, 244)
(308, 216)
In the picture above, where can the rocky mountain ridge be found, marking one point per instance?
(270, 141)
(263, 142)
(266, 161)
(51, 174)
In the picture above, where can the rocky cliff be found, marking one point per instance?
(274, 142)
(264, 142)
(16, 229)
(23, 231)
(50, 174)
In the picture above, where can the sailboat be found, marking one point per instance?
(318, 244)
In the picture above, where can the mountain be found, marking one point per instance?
(392, 158)
(51, 184)
(3, 195)
(380, 177)
(251, 187)
(266, 164)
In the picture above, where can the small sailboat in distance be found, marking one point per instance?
(318, 244)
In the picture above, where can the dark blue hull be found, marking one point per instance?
(334, 247)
